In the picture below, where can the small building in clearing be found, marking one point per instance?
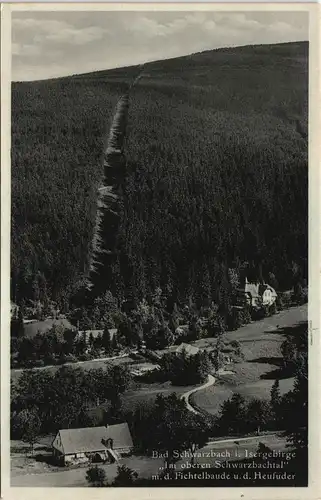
(94, 444)
(189, 349)
(143, 368)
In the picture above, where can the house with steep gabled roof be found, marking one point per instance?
(257, 294)
(96, 444)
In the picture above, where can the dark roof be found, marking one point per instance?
(120, 434)
(90, 439)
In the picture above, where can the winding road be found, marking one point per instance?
(254, 339)
(186, 395)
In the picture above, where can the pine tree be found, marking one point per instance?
(91, 340)
(20, 324)
(275, 399)
(95, 316)
(29, 425)
(257, 414)
(204, 287)
(114, 343)
(233, 412)
(98, 341)
(106, 340)
(125, 476)
(35, 289)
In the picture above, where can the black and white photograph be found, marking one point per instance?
(159, 275)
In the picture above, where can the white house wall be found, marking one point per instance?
(57, 443)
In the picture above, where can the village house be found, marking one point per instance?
(189, 349)
(143, 368)
(92, 444)
(257, 294)
(268, 294)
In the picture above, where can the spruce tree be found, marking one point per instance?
(20, 330)
(91, 339)
(114, 343)
(106, 341)
(275, 399)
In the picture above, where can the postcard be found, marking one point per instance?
(160, 285)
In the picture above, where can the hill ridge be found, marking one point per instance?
(176, 58)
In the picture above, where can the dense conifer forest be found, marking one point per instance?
(216, 175)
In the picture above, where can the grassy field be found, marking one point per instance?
(31, 329)
(254, 377)
(85, 365)
(212, 398)
(147, 393)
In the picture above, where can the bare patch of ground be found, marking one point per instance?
(37, 475)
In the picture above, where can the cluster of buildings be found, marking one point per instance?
(256, 294)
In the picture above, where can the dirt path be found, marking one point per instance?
(186, 395)
(145, 466)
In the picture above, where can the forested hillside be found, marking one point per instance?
(216, 174)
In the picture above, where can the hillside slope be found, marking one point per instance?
(216, 172)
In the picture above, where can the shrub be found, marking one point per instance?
(273, 309)
(257, 314)
(84, 357)
(125, 476)
(299, 295)
(95, 353)
(50, 360)
(183, 369)
(279, 303)
(234, 320)
(71, 359)
(62, 359)
(285, 300)
(96, 476)
(215, 326)
(246, 316)
(39, 362)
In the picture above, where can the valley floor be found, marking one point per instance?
(260, 343)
